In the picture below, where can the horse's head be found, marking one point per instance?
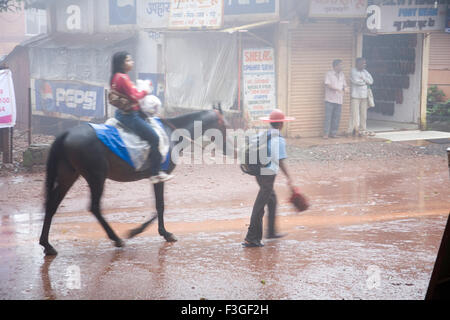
(210, 123)
(227, 145)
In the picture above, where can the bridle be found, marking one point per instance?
(220, 121)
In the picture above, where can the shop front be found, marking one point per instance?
(396, 45)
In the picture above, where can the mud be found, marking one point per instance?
(372, 232)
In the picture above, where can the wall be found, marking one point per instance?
(14, 24)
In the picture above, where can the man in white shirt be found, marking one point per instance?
(335, 86)
(360, 79)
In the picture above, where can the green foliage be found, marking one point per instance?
(437, 105)
(435, 95)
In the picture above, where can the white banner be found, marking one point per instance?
(196, 14)
(258, 68)
(7, 100)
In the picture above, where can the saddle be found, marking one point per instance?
(129, 146)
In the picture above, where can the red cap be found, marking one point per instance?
(276, 116)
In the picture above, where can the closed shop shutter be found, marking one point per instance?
(440, 51)
(313, 47)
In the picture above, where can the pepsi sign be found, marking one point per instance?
(62, 98)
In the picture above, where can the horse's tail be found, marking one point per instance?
(55, 155)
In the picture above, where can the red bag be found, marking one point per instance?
(299, 201)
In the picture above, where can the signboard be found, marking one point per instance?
(196, 14)
(406, 17)
(258, 69)
(7, 100)
(68, 99)
(122, 12)
(338, 9)
(157, 84)
(153, 13)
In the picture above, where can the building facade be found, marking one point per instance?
(250, 56)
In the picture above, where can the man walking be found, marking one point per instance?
(335, 86)
(266, 195)
(360, 80)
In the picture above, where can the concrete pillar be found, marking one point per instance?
(283, 72)
(146, 54)
(424, 82)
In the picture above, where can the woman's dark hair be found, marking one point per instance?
(118, 63)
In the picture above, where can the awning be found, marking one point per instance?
(249, 26)
(74, 40)
(229, 30)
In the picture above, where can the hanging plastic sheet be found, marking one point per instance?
(201, 70)
(78, 57)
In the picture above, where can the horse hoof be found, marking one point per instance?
(119, 244)
(170, 238)
(50, 252)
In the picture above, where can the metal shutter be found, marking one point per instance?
(312, 48)
(440, 51)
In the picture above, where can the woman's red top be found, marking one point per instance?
(121, 82)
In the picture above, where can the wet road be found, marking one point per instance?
(372, 232)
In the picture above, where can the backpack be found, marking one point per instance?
(260, 142)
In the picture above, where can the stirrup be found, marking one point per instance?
(164, 176)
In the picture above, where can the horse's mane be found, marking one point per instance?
(182, 120)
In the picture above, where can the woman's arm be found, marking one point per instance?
(126, 86)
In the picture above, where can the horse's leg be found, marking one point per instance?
(96, 183)
(65, 180)
(159, 198)
(134, 232)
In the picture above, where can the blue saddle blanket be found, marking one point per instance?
(130, 147)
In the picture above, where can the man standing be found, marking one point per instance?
(360, 79)
(335, 86)
(266, 196)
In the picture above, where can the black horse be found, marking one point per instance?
(78, 151)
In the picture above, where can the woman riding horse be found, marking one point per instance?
(120, 81)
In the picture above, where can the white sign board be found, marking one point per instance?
(196, 14)
(406, 17)
(258, 68)
(153, 13)
(338, 8)
(7, 100)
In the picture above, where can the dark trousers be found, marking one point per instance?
(143, 129)
(332, 118)
(266, 196)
